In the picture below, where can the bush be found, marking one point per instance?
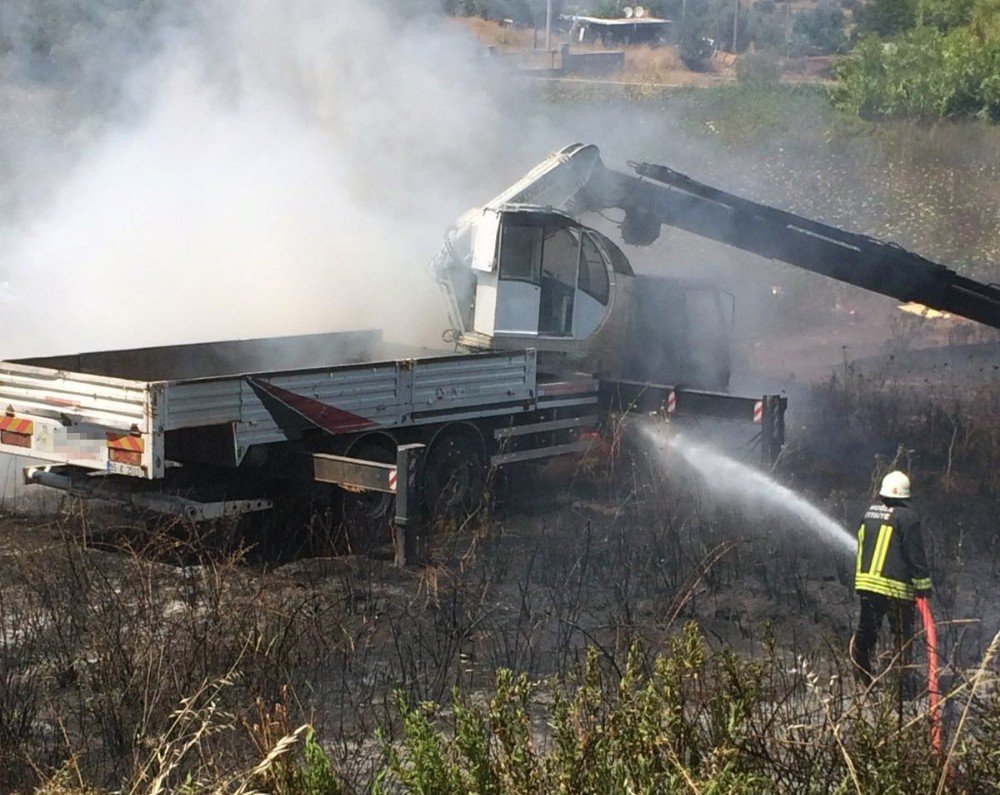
(692, 719)
(767, 30)
(886, 17)
(708, 27)
(759, 69)
(926, 74)
(693, 45)
(820, 30)
(944, 61)
(945, 14)
(607, 9)
(522, 12)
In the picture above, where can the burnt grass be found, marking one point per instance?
(115, 660)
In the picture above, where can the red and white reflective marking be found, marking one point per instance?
(758, 412)
(671, 402)
(392, 480)
(17, 425)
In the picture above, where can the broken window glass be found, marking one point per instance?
(593, 271)
(560, 260)
(521, 252)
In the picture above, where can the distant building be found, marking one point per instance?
(635, 30)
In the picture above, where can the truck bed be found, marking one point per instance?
(131, 412)
(210, 359)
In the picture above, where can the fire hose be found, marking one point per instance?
(934, 693)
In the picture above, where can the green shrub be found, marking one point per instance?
(947, 66)
(887, 17)
(819, 30)
(944, 14)
(694, 44)
(759, 69)
(927, 74)
(692, 719)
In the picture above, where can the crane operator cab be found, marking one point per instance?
(522, 276)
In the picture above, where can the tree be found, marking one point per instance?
(820, 30)
(887, 17)
(693, 45)
(944, 14)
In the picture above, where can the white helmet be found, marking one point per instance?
(896, 486)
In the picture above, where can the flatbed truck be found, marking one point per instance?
(555, 340)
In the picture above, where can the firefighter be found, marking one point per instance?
(891, 571)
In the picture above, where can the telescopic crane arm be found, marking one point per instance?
(849, 257)
(659, 195)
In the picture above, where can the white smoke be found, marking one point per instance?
(285, 167)
(234, 169)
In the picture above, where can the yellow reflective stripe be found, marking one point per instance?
(881, 548)
(875, 552)
(884, 586)
(923, 583)
(861, 548)
(884, 536)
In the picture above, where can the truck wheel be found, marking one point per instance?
(454, 477)
(368, 514)
(303, 522)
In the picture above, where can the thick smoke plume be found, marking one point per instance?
(273, 168)
(233, 168)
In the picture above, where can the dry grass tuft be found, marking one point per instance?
(653, 64)
(492, 34)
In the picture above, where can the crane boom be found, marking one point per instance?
(575, 180)
(849, 257)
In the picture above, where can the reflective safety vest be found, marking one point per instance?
(891, 559)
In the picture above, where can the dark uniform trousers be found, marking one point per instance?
(874, 609)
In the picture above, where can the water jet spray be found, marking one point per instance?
(731, 481)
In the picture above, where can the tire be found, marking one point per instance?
(454, 477)
(368, 515)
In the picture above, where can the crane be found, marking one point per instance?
(520, 270)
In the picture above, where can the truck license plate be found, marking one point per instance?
(116, 468)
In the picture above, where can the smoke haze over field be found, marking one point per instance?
(274, 168)
(233, 169)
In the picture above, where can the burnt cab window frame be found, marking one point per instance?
(542, 222)
(603, 294)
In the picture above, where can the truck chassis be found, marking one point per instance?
(131, 439)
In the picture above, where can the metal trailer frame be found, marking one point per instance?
(354, 473)
(767, 411)
(109, 438)
(80, 483)
(133, 428)
(408, 524)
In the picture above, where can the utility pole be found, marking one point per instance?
(548, 24)
(736, 21)
(788, 23)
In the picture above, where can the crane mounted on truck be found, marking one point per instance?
(520, 283)
(555, 338)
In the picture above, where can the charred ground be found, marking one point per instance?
(105, 645)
